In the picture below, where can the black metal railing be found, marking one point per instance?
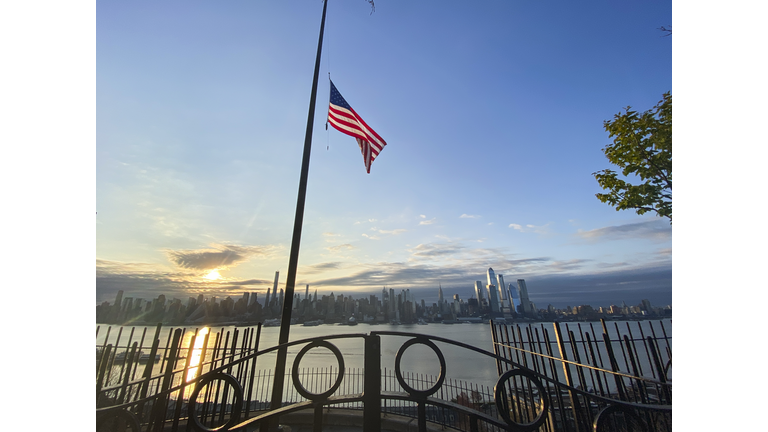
(224, 390)
(629, 365)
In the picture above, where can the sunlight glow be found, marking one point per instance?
(213, 275)
(196, 353)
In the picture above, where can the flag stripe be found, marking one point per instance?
(351, 116)
(351, 126)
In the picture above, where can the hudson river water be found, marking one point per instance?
(461, 364)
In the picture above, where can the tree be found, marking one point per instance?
(642, 148)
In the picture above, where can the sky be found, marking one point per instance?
(493, 116)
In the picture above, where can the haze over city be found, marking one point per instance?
(493, 113)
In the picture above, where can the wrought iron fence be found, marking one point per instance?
(587, 369)
(213, 383)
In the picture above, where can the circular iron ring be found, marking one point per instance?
(504, 413)
(237, 404)
(602, 417)
(398, 374)
(295, 370)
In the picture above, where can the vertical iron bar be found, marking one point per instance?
(162, 402)
(638, 383)
(556, 377)
(569, 379)
(127, 377)
(253, 369)
(102, 369)
(114, 354)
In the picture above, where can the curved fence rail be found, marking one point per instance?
(228, 393)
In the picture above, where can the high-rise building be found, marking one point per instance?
(479, 292)
(491, 277)
(502, 291)
(274, 286)
(493, 293)
(514, 298)
(493, 298)
(306, 292)
(525, 303)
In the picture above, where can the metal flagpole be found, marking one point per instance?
(285, 321)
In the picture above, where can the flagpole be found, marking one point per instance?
(285, 321)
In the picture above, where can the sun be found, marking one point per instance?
(213, 275)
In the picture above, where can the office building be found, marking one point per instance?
(525, 303)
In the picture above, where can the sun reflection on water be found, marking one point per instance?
(194, 362)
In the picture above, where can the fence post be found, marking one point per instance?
(161, 404)
(372, 384)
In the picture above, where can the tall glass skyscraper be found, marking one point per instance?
(523, 291)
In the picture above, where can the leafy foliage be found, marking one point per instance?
(642, 148)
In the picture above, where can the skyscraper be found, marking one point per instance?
(493, 293)
(479, 292)
(491, 277)
(524, 301)
(502, 291)
(514, 298)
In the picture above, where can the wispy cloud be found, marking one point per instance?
(658, 230)
(538, 229)
(217, 257)
(427, 222)
(435, 249)
(340, 248)
(322, 267)
(467, 216)
(389, 232)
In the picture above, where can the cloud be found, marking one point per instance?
(657, 230)
(388, 232)
(433, 249)
(218, 257)
(596, 288)
(331, 237)
(341, 247)
(427, 222)
(466, 216)
(538, 229)
(321, 267)
(422, 216)
(147, 281)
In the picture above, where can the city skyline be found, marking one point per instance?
(391, 307)
(200, 119)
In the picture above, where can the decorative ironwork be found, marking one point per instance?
(528, 395)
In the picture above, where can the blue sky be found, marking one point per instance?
(493, 113)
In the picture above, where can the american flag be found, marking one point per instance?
(345, 120)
